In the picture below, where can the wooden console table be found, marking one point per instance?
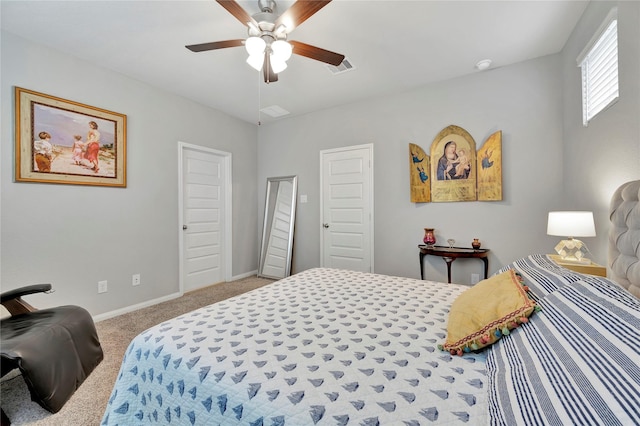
(449, 254)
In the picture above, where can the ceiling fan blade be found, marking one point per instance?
(236, 10)
(317, 53)
(299, 12)
(215, 45)
(267, 71)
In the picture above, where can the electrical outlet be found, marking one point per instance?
(475, 278)
(102, 286)
(135, 279)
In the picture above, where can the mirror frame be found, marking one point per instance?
(268, 222)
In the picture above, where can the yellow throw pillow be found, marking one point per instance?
(487, 311)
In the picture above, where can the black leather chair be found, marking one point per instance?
(55, 349)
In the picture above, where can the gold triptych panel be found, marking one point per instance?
(419, 171)
(455, 171)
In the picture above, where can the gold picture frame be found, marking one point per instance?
(453, 179)
(419, 170)
(66, 142)
(489, 167)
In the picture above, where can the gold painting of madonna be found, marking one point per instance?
(453, 166)
(61, 141)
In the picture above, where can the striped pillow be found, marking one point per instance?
(542, 275)
(577, 361)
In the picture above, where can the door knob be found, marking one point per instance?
(326, 225)
(184, 227)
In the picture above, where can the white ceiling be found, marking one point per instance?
(394, 45)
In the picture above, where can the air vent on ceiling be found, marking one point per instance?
(275, 111)
(344, 66)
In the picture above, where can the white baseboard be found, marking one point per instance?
(132, 308)
(245, 275)
(152, 302)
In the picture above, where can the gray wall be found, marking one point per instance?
(605, 154)
(74, 236)
(550, 161)
(524, 101)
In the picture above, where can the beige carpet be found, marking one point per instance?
(87, 405)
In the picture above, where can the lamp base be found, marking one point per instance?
(573, 251)
(575, 261)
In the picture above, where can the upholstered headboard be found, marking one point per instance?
(624, 236)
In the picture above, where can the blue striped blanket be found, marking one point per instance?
(577, 361)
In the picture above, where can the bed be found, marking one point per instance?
(337, 347)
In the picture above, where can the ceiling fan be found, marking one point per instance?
(267, 43)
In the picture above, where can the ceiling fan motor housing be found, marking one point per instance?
(267, 6)
(266, 26)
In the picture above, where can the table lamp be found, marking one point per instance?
(572, 224)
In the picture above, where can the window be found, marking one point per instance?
(599, 64)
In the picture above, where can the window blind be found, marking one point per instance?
(600, 72)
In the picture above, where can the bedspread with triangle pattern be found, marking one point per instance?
(322, 347)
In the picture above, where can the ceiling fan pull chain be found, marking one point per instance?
(259, 99)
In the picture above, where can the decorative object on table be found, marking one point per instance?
(451, 242)
(476, 243)
(489, 165)
(572, 224)
(419, 169)
(62, 141)
(429, 237)
(454, 165)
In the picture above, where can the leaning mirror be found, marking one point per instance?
(276, 248)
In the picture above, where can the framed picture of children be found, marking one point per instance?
(453, 166)
(66, 142)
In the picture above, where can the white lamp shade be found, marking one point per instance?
(571, 224)
(277, 65)
(281, 50)
(255, 46)
(256, 61)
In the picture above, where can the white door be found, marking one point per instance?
(205, 216)
(347, 208)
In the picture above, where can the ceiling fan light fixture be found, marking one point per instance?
(255, 46)
(277, 64)
(266, 43)
(281, 50)
(256, 61)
